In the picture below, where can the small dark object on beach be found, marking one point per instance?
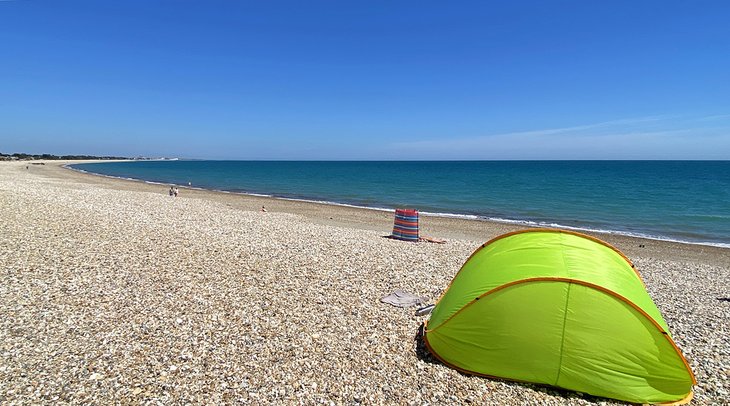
(425, 310)
(724, 299)
(642, 246)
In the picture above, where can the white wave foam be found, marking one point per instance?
(329, 203)
(452, 215)
(608, 231)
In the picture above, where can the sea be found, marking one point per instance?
(683, 201)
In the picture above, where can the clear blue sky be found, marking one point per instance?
(366, 80)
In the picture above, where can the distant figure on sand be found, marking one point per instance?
(263, 209)
(176, 192)
(172, 191)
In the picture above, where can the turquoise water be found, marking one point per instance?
(685, 201)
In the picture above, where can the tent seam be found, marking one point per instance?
(565, 311)
(561, 232)
(562, 338)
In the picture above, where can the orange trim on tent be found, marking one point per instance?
(579, 282)
(682, 401)
(561, 231)
(552, 230)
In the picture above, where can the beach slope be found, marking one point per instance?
(113, 291)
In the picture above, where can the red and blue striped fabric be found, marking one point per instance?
(405, 226)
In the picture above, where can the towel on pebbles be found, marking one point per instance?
(400, 298)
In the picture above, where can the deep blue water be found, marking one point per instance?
(676, 200)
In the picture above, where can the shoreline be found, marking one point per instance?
(520, 223)
(433, 225)
(115, 292)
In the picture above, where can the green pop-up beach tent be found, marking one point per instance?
(558, 308)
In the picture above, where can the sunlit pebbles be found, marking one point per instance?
(119, 296)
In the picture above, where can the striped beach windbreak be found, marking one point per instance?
(405, 226)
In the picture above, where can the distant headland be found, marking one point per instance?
(51, 157)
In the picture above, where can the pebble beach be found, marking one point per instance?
(113, 292)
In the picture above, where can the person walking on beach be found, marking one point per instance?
(176, 192)
(172, 191)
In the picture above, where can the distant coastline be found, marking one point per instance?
(21, 156)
